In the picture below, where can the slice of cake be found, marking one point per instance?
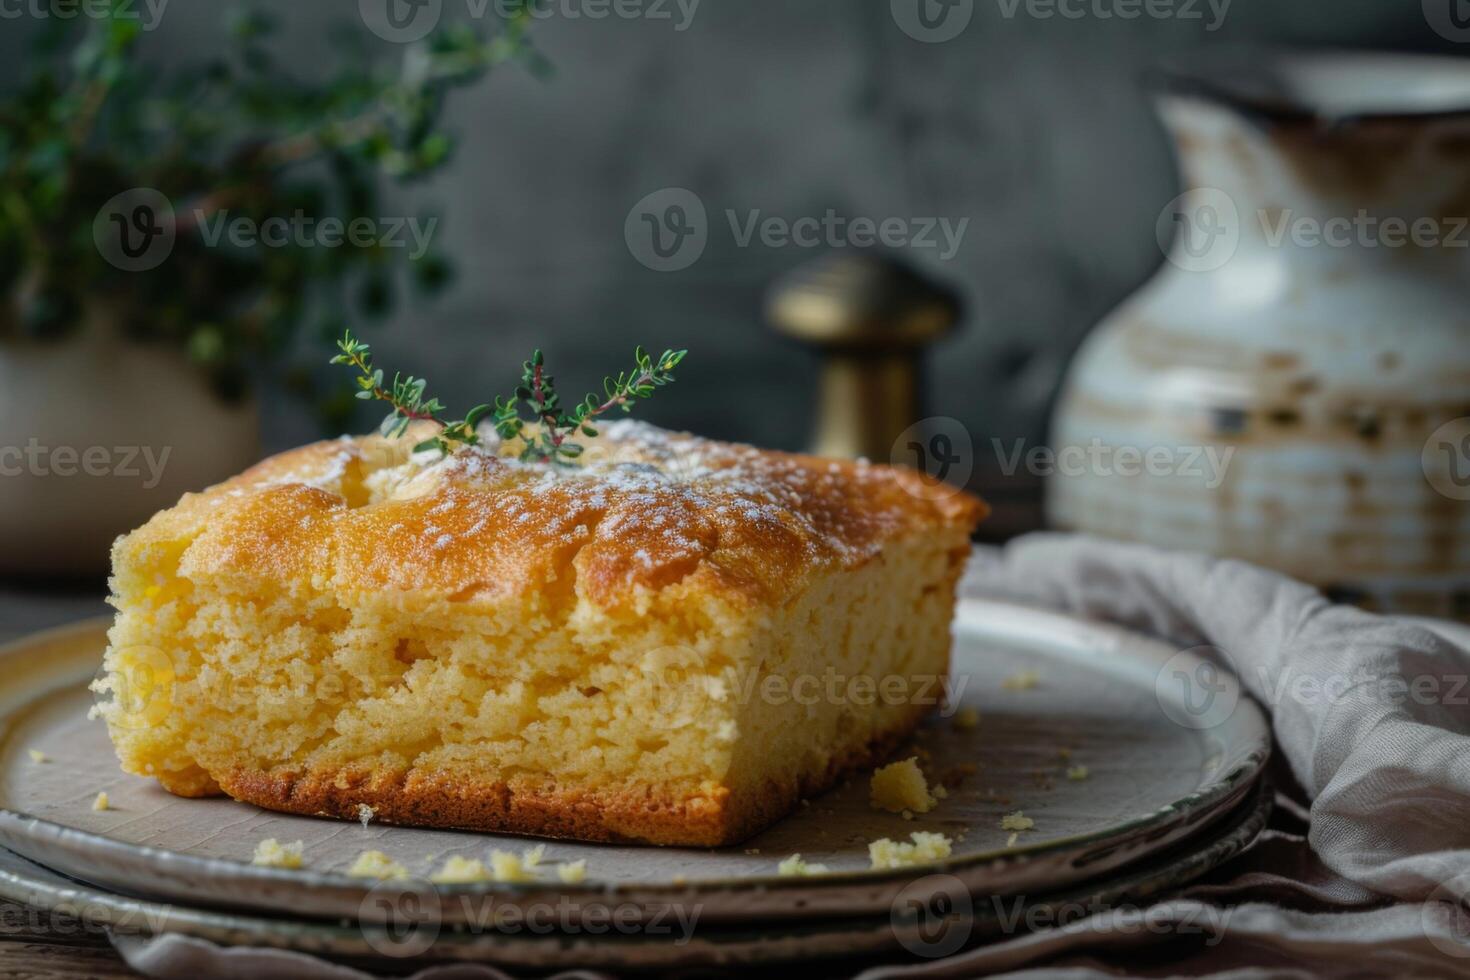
(672, 642)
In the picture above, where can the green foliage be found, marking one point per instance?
(239, 135)
(549, 441)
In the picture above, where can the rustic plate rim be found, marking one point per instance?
(1223, 790)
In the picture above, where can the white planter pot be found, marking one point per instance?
(1323, 367)
(96, 435)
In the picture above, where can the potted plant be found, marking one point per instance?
(162, 239)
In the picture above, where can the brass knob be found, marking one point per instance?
(870, 317)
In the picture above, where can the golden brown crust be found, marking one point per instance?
(448, 800)
(647, 510)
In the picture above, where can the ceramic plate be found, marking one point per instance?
(939, 922)
(1169, 745)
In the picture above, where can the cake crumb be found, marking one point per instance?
(1011, 840)
(966, 719)
(907, 814)
(901, 786)
(271, 853)
(1024, 681)
(925, 849)
(101, 802)
(1078, 773)
(376, 864)
(508, 867)
(460, 871)
(573, 873)
(37, 755)
(795, 867)
(1016, 821)
(365, 813)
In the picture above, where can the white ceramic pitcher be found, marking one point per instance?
(1297, 367)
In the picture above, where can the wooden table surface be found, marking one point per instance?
(34, 942)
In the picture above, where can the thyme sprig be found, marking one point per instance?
(550, 440)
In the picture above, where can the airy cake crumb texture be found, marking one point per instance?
(477, 642)
(900, 788)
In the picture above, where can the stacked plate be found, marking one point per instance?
(1139, 766)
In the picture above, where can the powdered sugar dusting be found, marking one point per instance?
(643, 502)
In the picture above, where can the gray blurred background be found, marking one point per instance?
(1033, 128)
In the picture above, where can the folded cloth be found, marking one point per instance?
(1371, 712)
